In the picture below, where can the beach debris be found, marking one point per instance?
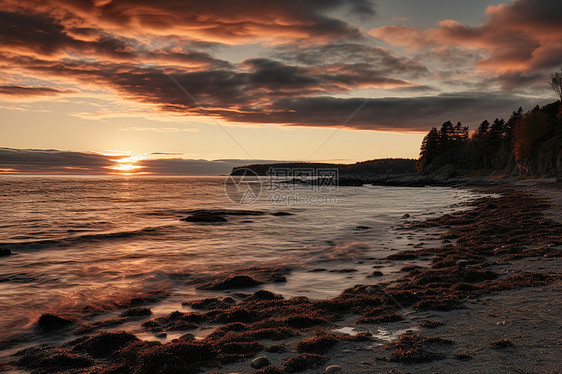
(412, 348)
(302, 362)
(260, 362)
(49, 359)
(379, 316)
(502, 343)
(462, 356)
(319, 344)
(430, 324)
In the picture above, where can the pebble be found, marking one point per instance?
(405, 216)
(333, 369)
(260, 362)
(161, 335)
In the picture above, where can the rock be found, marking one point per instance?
(405, 216)
(264, 295)
(210, 303)
(103, 344)
(53, 322)
(333, 369)
(187, 336)
(374, 274)
(281, 214)
(228, 299)
(491, 206)
(4, 252)
(260, 362)
(136, 312)
(362, 228)
(161, 335)
(462, 262)
(231, 282)
(343, 271)
(205, 217)
(371, 290)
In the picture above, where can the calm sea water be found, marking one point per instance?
(98, 241)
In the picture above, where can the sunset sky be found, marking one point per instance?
(322, 80)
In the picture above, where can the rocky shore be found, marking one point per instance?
(477, 302)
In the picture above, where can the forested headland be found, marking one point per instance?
(527, 143)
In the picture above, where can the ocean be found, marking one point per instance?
(85, 246)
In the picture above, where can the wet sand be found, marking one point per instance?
(488, 300)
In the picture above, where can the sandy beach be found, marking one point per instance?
(485, 300)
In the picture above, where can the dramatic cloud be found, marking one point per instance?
(308, 63)
(218, 21)
(519, 39)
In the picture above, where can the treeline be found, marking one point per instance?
(385, 166)
(526, 143)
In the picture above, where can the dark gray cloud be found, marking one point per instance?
(390, 114)
(22, 91)
(50, 161)
(36, 161)
(381, 59)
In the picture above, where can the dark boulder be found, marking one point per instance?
(53, 322)
(205, 217)
(231, 282)
(5, 252)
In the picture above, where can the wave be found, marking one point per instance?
(78, 239)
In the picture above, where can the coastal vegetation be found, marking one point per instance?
(525, 144)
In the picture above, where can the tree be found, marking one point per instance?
(556, 83)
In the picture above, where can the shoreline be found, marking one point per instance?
(266, 324)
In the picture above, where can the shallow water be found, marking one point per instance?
(97, 242)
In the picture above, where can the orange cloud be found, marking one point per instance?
(522, 37)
